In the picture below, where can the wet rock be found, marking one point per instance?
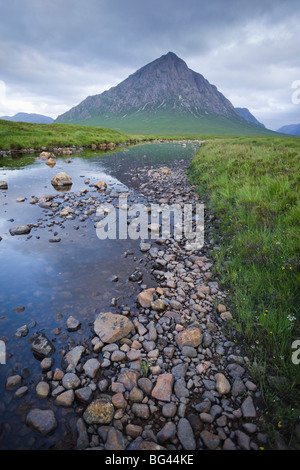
(73, 324)
(65, 399)
(61, 180)
(111, 327)
(167, 432)
(41, 346)
(73, 356)
(101, 185)
(248, 408)
(20, 230)
(21, 392)
(42, 421)
(3, 185)
(84, 395)
(42, 390)
(91, 367)
(82, 438)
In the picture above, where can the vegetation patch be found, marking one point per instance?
(252, 187)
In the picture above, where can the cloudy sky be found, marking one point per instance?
(55, 53)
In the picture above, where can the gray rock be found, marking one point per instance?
(83, 438)
(20, 230)
(186, 435)
(22, 331)
(70, 381)
(42, 421)
(167, 432)
(73, 324)
(13, 382)
(73, 356)
(84, 395)
(21, 392)
(238, 387)
(243, 440)
(248, 408)
(42, 390)
(91, 367)
(211, 441)
(65, 399)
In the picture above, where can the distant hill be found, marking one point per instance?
(163, 97)
(291, 129)
(27, 117)
(245, 113)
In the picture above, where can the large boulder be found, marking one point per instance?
(110, 327)
(61, 180)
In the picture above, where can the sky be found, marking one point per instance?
(55, 53)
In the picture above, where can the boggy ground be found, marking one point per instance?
(165, 376)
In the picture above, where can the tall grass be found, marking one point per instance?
(252, 185)
(21, 135)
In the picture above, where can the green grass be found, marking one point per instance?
(21, 135)
(252, 185)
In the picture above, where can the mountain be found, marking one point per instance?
(291, 129)
(164, 96)
(26, 117)
(245, 113)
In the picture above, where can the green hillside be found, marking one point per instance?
(178, 124)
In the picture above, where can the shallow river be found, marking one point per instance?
(43, 283)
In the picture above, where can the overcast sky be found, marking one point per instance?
(55, 53)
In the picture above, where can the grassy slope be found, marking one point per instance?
(20, 135)
(168, 123)
(252, 187)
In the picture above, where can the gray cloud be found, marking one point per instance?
(53, 53)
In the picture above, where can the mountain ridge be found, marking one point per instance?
(290, 129)
(163, 91)
(29, 117)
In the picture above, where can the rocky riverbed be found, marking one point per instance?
(157, 374)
